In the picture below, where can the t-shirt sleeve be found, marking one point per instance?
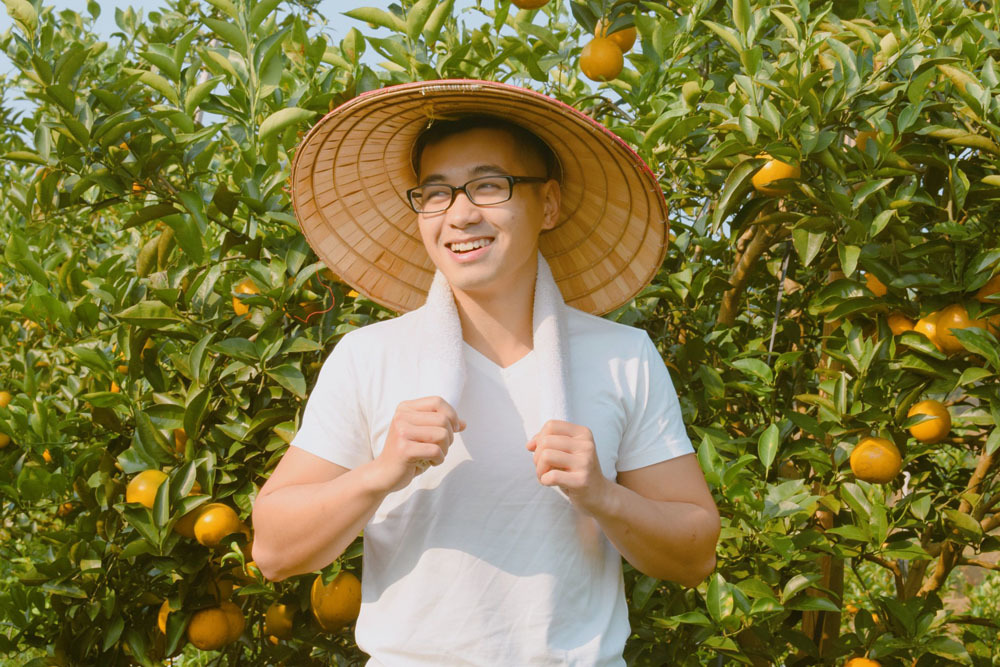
(334, 426)
(655, 430)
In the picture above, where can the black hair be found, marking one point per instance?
(524, 139)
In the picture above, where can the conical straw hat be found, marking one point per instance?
(351, 173)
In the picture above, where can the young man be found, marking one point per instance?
(501, 449)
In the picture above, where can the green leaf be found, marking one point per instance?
(754, 367)
(290, 378)
(152, 314)
(195, 410)
(198, 94)
(155, 212)
(767, 445)
(980, 342)
(417, 17)
(227, 7)
(228, 32)
(157, 83)
(810, 603)
(719, 600)
(849, 255)
(378, 17)
(807, 244)
(260, 12)
(993, 442)
(728, 35)
(281, 119)
(432, 29)
(741, 16)
(965, 523)
(736, 186)
(25, 156)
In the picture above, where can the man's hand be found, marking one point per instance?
(419, 435)
(565, 456)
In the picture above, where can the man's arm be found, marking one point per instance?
(661, 518)
(310, 510)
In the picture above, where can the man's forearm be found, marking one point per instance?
(305, 527)
(667, 540)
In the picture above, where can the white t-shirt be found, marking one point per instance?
(475, 562)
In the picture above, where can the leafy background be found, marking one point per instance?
(145, 177)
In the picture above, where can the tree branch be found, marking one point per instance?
(764, 236)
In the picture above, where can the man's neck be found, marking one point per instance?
(499, 325)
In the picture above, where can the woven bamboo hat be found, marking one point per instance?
(351, 173)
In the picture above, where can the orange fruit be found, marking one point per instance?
(234, 616)
(65, 509)
(278, 620)
(624, 38)
(876, 460)
(221, 588)
(209, 629)
(161, 617)
(5, 399)
(932, 430)
(862, 662)
(215, 522)
(601, 59)
(529, 4)
(766, 179)
(951, 317)
(143, 487)
(982, 296)
(185, 525)
(861, 140)
(899, 323)
(338, 603)
(246, 286)
(927, 326)
(47, 456)
(4, 440)
(180, 440)
(876, 286)
(122, 368)
(114, 387)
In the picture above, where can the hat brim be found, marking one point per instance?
(352, 170)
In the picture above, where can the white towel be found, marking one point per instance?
(442, 361)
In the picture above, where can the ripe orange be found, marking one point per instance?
(114, 387)
(215, 522)
(246, 286)
(47, 456)
(529, 4)
(234, 617)
(601, 59)
(180, 440)
(5, 399)
(927, 326)
(4, 440)
(624, 38)
(221, 588)
(876, 286)
(861, 140)
(933, 430)
(982, 296)
(185, 525)
(899, 323)
(862, 662)
(338, 603)
(278, 620)
(876, 460)
(766, 179)
(951, 317)
(65, 509)
(122, 368)
(161, 618)
(143, 487)
(209, 629)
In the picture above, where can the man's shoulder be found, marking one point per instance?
(383, 332)
(584, 327)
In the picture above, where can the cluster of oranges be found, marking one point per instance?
(878, 460)
(334, 605)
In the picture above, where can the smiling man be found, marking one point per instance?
(501, 446)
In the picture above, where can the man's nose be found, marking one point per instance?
(462, 211)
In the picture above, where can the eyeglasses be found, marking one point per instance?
(484, 191)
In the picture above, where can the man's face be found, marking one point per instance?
(509, 229)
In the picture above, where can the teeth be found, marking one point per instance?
(471, 245)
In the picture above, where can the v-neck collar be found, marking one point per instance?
(490, 366)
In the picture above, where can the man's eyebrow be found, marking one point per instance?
(479, 170)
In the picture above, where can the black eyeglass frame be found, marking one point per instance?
(511, 180)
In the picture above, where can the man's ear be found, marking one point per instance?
(551, 201)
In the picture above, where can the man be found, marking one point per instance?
(500, 449)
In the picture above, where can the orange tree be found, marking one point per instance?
(833, 178)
